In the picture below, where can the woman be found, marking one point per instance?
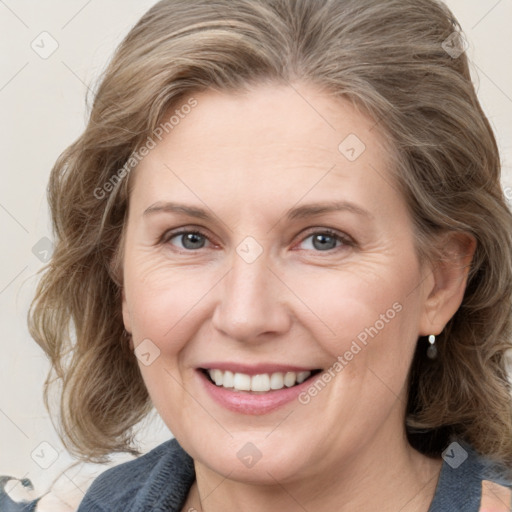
(283, 228)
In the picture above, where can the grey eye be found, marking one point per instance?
(190, 240)
(322, 241)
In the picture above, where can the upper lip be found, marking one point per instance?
(255, 369)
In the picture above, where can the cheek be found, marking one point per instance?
(366, 322)
(341, 305)
(162, 299)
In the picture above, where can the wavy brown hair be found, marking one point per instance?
(388, 58)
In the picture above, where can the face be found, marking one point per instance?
(267, 243)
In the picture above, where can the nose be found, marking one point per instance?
(251, 303)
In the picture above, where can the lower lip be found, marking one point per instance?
(245, 402)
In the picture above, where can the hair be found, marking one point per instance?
(388, 58)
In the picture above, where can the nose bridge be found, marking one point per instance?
(249, 281)
(249, 303)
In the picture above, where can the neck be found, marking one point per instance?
(386, 474)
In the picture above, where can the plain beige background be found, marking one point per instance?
(42, 101)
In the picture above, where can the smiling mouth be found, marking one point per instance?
(261, 383)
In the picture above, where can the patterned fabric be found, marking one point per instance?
(8, 504)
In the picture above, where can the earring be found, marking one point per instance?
(127, 337)
(432, 349)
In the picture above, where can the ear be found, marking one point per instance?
(447, 283)
(127, 321)
(116, 273)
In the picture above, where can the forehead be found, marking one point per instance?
(268, 140)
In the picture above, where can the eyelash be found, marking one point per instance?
(346, 241)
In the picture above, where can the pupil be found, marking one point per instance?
(325, 242)
(192, 241)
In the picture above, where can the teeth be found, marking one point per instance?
(276, 381)
(242, 382)
(226, 379)
(261, 383)
(302, 376)
(289, 379)
(218, 377)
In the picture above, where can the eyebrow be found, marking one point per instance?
(312, 209)
(299, 212)
(168, 207)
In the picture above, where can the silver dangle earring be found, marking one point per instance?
(432, 349)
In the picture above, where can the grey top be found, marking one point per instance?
(160, 480)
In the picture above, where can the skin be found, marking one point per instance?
(248, 158)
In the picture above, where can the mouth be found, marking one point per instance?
(260, 383)
(255, 389)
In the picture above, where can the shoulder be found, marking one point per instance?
(157, 480)
(469, 482)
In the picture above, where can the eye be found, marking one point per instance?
(188, 240)
(326, 240)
